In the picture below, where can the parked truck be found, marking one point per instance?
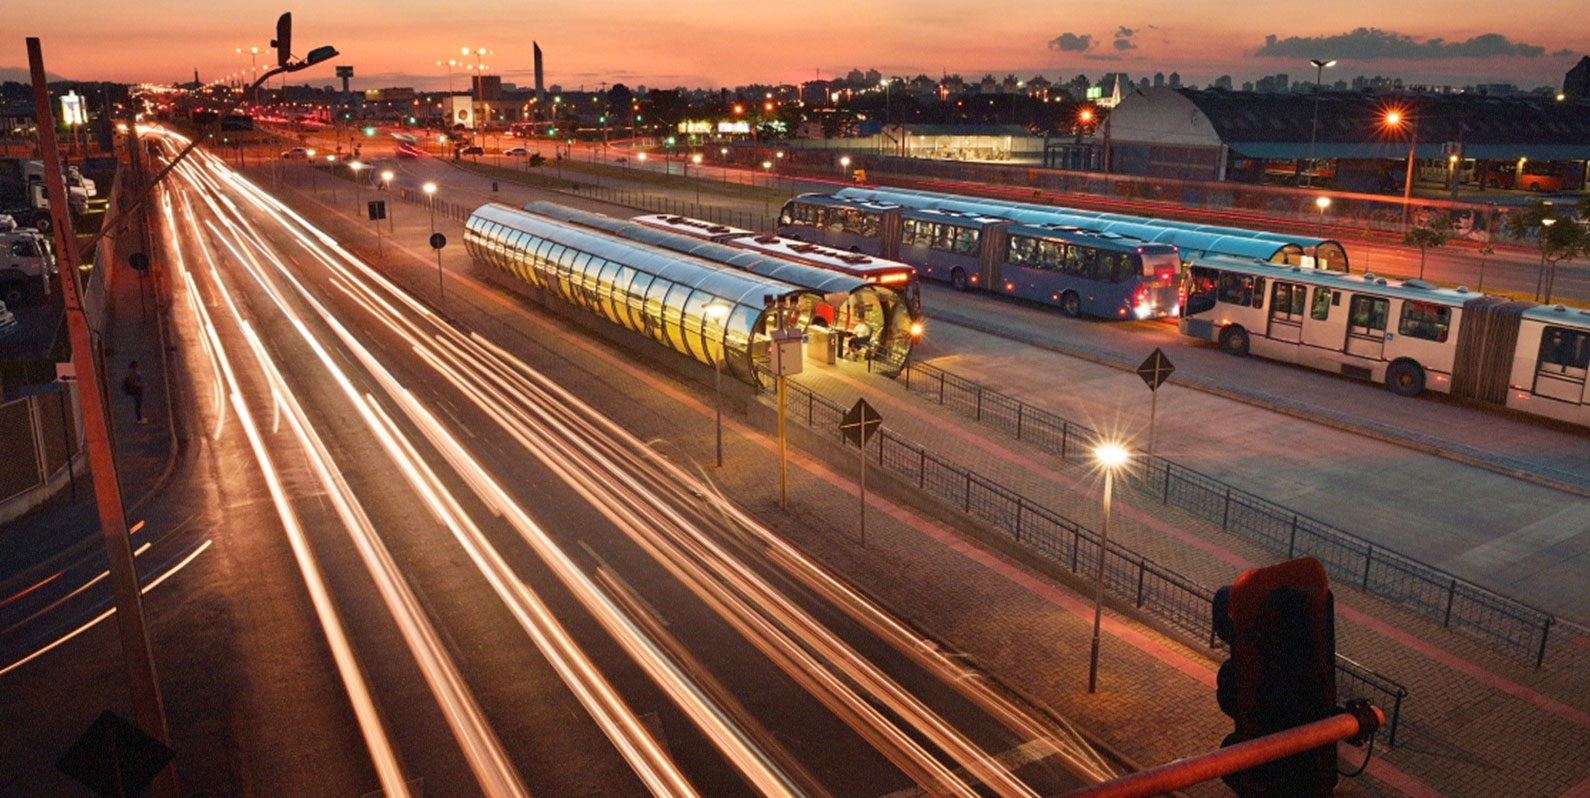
(23, 198)
(26, 263)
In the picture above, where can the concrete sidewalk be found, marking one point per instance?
(1477, 723)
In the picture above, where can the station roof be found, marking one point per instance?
(1352, 124)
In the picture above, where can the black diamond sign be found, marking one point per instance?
(115, 757)
(1156, 369)
(860, 423)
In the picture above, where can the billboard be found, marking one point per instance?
(734, 127)
(72, 111)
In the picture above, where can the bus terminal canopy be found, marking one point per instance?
(1198, 239)
(660, 294)
(880, 307)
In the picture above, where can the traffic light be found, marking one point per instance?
(1279, 623)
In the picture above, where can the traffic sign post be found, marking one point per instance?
(377, 213)
(786, 362)
(1154, 371)
(437, 242)
(858, 427)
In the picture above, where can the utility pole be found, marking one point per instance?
(131, 629)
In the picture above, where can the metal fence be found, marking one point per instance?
(1181, 603)
(1456, 603)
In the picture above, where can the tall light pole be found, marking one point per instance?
(449, 63)
(358, 193)
(720, 312)
(1540, 276)
(696, 159)
(886, 114)
(1110, 457)
(1395, 119)
(253, 58)
(1322, 203)
(1313, 130)
(430, 196)
(480, 79)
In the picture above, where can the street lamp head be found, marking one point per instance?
(356, 166)
(386, 176)
(310, 152)
(1393, 118)
(844, 160)
(696, 159)
(1548, 221)
(1322, 202)
(767, 164)
(640, 156)
(1086, 115)
(1322, 63)
(429, 188)
(1111, 455)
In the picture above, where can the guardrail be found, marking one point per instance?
(1438, 595)
(1181, 603)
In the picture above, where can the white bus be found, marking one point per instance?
(1408, 334)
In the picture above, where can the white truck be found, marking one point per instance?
(26, 263)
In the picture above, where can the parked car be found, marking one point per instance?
(1532, 180)
(296, 153)
(8, 321)
(517, 151)
(473, 150)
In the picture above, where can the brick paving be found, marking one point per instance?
(1470, 727)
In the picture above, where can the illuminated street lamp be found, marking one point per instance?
(719, 312)
(696, 159)
(358, 194)
(1313, 130)
(1395, 120)
(430, 196)
(1110, 457)
(1322, 203)
(1540, 276)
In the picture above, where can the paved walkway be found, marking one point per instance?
(33, 546)
(1477, 724)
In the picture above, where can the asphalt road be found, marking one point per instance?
(445, 573)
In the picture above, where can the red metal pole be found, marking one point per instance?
(1192, 770)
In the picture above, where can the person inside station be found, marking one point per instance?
(860, 340)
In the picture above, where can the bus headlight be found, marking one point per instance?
(916, 329)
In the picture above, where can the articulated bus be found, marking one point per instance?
(902, 277)
(1408, 334)
(1191, 238)
(1100, 274)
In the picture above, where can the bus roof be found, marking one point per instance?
(691, 227)
(833, 201)
(1560, 315)
(826, 257)
(1368, 283)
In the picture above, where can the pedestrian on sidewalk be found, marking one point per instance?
(133, 385)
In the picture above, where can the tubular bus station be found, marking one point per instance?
(654, 292)
(855, 318)
(1193, 240)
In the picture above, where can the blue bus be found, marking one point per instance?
(1082, 272)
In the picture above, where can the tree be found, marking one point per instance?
(1485, 251)
(1429, 236)
(619, 100)
(1561, 239)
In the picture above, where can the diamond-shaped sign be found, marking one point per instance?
(1156, 369)
(860, 423)
(115, 757)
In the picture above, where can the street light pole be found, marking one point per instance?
(1540, 276)
(430, 195)
(1313, 131)
(1109, 456)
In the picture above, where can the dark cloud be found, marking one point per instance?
(1564, 53)
(1123, 38)
(1374, 43)
(1071, 42)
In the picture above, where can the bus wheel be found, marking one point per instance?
(958, 279)
(1405, 378)
(13, 293)
(1234, 340)
(1071, 304)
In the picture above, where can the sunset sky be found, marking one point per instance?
(718, 42)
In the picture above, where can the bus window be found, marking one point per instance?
(1079, 260)
(1426, 320)
(1236, 289)
(1050, 254)
(1201, 283)
(965, 240)
(1323, 299)
(1368, 314)
(1562, 349)
(1020, 250)
(1287, 305)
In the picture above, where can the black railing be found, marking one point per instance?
(1179, 602)
(1456, 603)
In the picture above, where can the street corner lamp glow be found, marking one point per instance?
(696, 159)
(429, 188)
(767, 164)
(640, 156)
(844, 160)
(1393, 118)
(387, 176)
(1111, 455)
(1322, 202)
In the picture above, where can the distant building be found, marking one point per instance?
(1175, 80)
(1576, 84)
(1281, 81)
(854, 77)
(1159, 80)
(874, 77)
(1112, 87)
(1223, 82)
(486, 87)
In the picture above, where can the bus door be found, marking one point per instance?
(1366, 326)
(1286, 312)
(889, 234)
(1560, 372)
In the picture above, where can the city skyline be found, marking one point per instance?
(678, 47)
